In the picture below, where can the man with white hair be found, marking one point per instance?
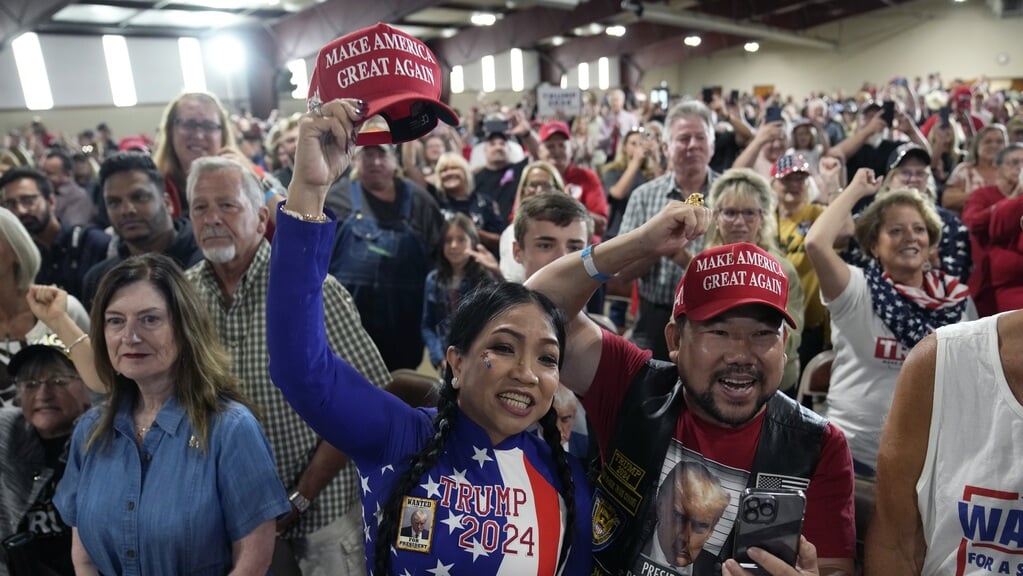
(689, 141)
(229, 218)
(616, 123)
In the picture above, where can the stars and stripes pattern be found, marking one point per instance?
(778, 481)
(460, 544)
(913, 313)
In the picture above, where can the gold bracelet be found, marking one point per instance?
(320, 218)
(77, 341)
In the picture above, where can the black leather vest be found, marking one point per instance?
(790, 445)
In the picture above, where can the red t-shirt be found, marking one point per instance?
(829, 523)
(583, 185)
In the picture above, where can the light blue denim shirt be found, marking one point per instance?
(165, 507)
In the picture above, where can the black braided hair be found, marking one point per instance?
(419, 464)
(549, 426)
(473, 314)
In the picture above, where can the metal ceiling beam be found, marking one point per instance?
(637, 36)
(19, 16)
(303, 34)
(708, 23)
(523, 28)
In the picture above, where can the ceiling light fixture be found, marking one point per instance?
(557, 40)
(448, 32)
(483, 18)
(616, 31)
(692, 41)
(751, 47)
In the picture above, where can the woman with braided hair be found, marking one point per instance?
(462, 489)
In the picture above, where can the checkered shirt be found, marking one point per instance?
(242, 327)
(659, 283)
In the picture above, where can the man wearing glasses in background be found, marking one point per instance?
(67, 251)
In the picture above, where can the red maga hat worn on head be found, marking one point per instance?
(395, 74)
(554, 127)
(726, 277)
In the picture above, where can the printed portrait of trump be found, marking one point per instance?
(690, 502)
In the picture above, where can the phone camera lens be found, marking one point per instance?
(767, 508)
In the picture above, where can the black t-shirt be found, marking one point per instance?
(52, 536)
(726, 150)
(501, 185)
(875, 157)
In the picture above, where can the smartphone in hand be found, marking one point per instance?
(771, 520)
(773, 114)
(888, 112)
(708, 95)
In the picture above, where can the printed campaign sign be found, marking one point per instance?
(552, 101)
(992, 523)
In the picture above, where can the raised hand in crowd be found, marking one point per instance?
(806, 562)
(49, 304)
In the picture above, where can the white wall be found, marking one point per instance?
(958, 40)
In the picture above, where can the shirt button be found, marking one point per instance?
(131, 554)
(131, 505)
(148, 457)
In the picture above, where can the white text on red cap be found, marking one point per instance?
(743, 257)
(380, 65)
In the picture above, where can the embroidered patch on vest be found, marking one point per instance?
(606, 520)
(775, 481)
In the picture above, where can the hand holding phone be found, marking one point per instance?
(773, 114)
(771, 520)
(708, 95)
(888, 112)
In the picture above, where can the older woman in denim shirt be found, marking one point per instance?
(173, 475)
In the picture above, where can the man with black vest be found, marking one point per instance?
(715, 405)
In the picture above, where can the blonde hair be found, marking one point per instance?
(26, 254)
(559, 182)
(868, 226)
(743, 183)
(458, 161)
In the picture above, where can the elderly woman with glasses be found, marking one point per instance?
(537, 178)
(33, 450)
(743, 205)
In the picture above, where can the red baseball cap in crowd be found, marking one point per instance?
(395, 74)
(788, 164)
(962, 97)
(554, 127)
(725, 277)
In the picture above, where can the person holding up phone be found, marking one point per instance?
(872, 144)
(768, 145)
(716, 405)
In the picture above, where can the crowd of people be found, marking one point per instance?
(200, 331)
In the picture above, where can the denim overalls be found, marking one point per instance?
(384, 267)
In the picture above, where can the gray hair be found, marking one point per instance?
(25, 251)
(251, 187)
(689, 108)
(563, 396)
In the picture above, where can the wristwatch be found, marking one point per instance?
(300, 502)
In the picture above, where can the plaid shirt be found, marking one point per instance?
(659, 283)
(242, 327)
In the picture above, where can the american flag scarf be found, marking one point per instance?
(913, 313)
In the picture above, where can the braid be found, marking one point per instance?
(548, 424)
(419, 464)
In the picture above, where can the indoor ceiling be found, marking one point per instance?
(564, 31)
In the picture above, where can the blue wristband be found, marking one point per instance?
(591, 268)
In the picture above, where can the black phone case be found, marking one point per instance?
(773, 114)
(771, 520)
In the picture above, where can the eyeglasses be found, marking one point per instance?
(25, 202)
(192, 125)
(914, 174)
(540, 186)
(60, 382)
(731, 214)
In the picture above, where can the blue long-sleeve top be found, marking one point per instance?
(489, 509)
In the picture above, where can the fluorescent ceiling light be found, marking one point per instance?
(584, 76)
(564, 81)
(617, 31)
(299, 77)
(518, 81)
(483, 18)
(192, 72)
(557, 40)
(35, 84)
(122, 83)
(692, 41)
(489, 74)
(603, 74)
(228, 53)
(751, 47)
(457, 80)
